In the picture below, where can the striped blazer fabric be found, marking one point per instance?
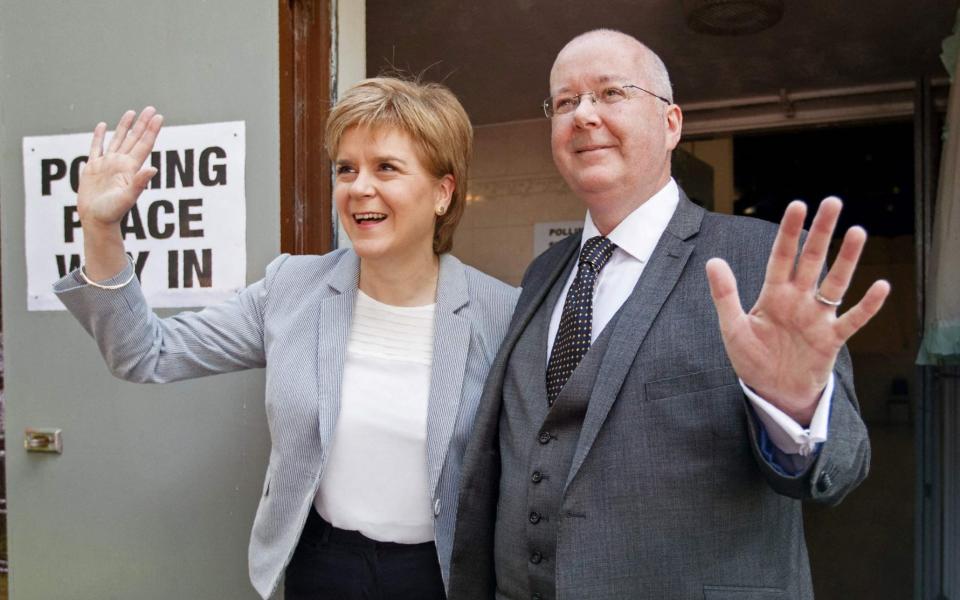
(295, 323)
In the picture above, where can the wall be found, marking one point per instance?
(155, 492)
(718, 153)
(513, 184)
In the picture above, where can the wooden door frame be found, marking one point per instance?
(306, 209)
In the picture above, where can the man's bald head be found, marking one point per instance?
(646, 59)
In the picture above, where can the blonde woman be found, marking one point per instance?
(375, 356)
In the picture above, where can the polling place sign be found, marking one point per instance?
(549, 233)
(186, 235)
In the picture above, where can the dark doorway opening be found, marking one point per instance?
(862, 548)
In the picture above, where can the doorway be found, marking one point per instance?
(862, 548)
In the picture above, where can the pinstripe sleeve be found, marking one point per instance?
(139, 346)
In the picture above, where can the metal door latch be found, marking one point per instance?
(43, 440)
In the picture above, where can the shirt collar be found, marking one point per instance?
(639, 232)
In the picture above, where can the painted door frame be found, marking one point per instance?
(307, 74)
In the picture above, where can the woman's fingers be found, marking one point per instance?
(129, 133)
(144, 146)
(96, 144)
(142, 179)
(137, 131)
(121, 132)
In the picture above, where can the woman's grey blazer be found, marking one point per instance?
(295, 323)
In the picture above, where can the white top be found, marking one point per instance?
(375, 480)
(636, 237)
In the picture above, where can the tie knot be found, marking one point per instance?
(596, 252)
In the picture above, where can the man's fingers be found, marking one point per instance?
(835, 284)
(815, 247)
(121, 131)
(144, 145)
(851, 321)
(96, 144)
(138, 128)
(723, 289)
(784, 252)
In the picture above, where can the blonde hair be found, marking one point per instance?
(433, 118)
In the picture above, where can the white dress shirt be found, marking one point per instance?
(636, 237)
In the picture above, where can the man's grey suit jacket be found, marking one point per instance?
(667, 496)
(295, 322)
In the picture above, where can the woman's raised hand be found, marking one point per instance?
(110, 184)
(113, 179)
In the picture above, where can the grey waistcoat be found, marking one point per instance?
(537, 444)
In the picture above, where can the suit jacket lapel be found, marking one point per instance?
(537, 288)
(538, 327)
(336, 317)
(635, 318)
(451, 344)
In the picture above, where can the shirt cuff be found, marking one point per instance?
(785, 433)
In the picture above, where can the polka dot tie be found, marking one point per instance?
(573, 336)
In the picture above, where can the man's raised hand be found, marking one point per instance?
(786, 346)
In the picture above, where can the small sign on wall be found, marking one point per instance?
(186, 234)
(548, 234)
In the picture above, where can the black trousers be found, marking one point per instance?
(335, 564)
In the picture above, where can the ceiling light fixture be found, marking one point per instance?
(732, 17)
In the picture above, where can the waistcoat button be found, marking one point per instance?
(537, 477)
(544, 437)
(534, 517)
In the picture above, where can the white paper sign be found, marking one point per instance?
(186, 234)
(548, 234)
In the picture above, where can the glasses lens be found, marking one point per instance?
(563, 104)
(612, 95)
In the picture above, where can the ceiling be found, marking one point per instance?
(496, 54)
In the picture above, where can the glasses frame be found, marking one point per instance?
(547, 104)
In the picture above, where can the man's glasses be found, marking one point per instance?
(567, 103)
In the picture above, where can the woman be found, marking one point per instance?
(375, 356)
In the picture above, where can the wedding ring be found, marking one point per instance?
(823, 300)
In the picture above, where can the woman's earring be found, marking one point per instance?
(441, 210)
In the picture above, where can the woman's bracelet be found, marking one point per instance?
(110, 287)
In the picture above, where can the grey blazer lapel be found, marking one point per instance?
(635, 318)
(336, 316)
(451, 344)
(537, 287)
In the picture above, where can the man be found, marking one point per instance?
(640, 436)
